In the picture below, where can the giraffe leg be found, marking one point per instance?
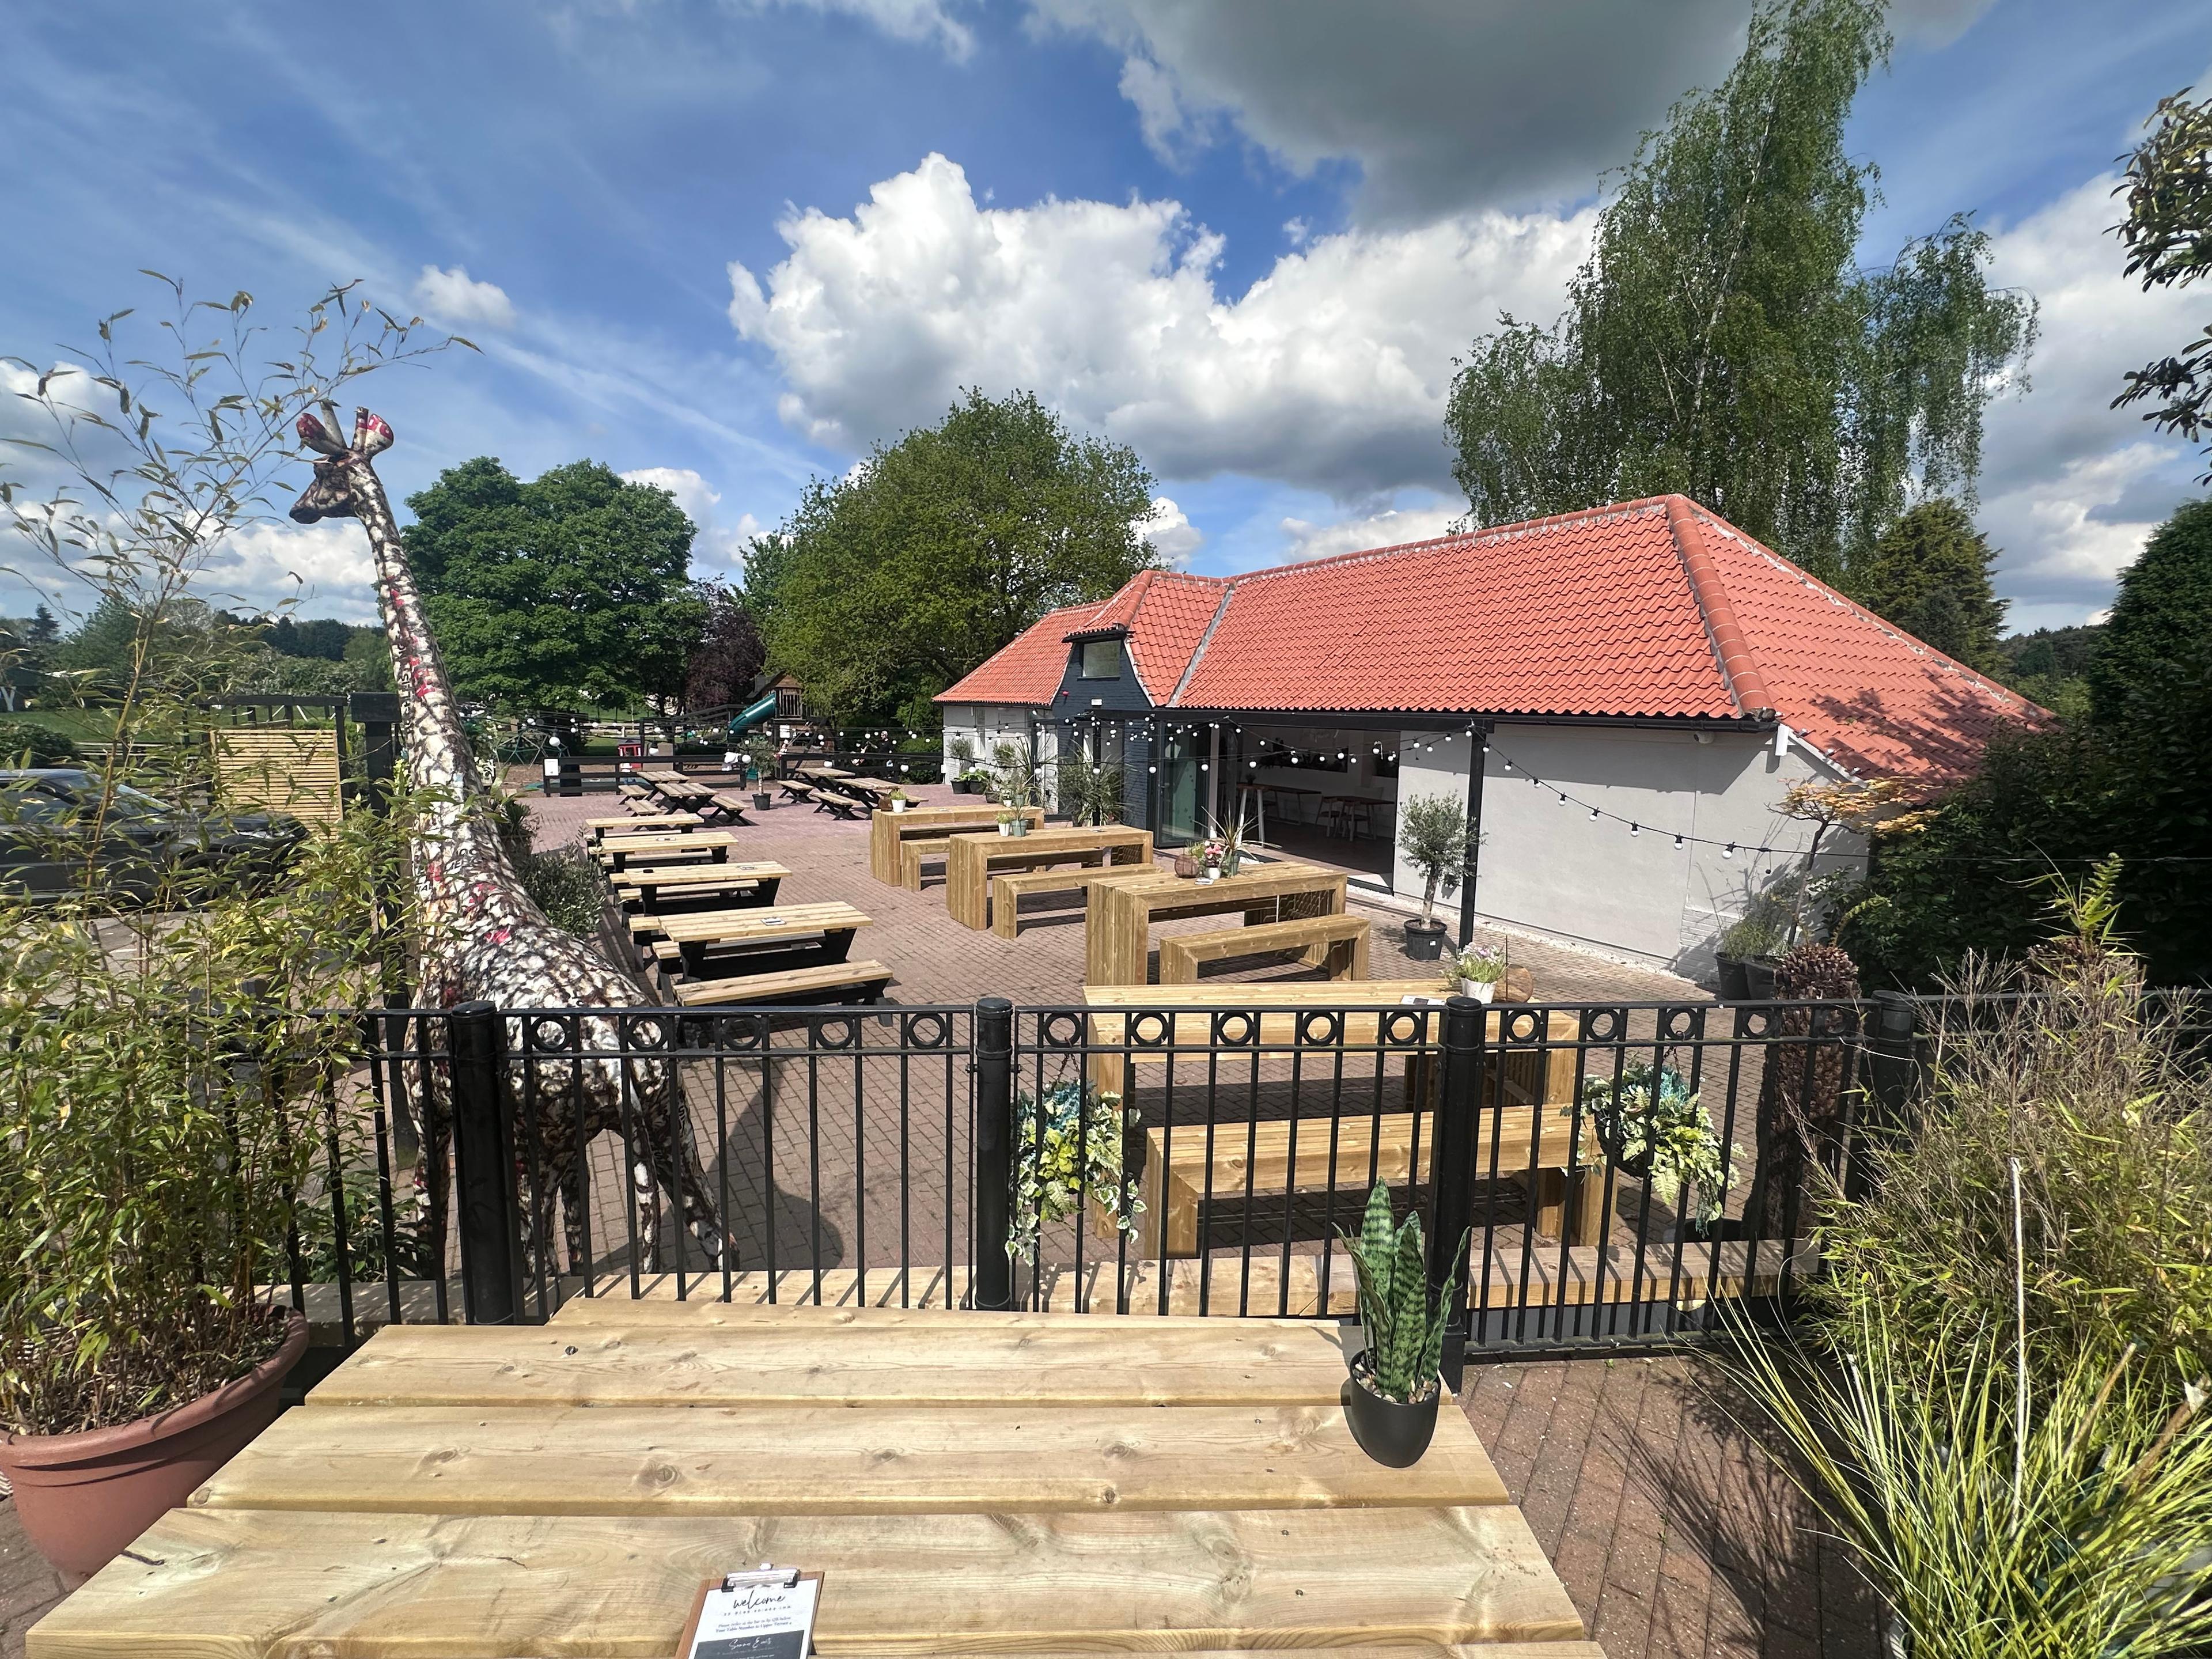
(681, 1175)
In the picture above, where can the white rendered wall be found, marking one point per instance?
(1552, 868)
(1429, 763)
(989, 723)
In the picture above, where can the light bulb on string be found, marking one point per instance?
(1729, 851)
(1592, 814)
(1635, 829)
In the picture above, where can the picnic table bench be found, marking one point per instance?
(830, 926)
(642, 823)
(712, 845)
(964, 1481)
(890, 832)
(972, 860)
(1337, 943)
(652, 887)
(1119, 917)
(1008, 890)
(829, 982)
(1529, 1112)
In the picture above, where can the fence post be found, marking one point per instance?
(483, 1169)
(1459, 1099)
(1894, 1059)
(994, 1197)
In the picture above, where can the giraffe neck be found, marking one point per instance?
(462, 864)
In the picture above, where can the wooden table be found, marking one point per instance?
(834, 923)
(1532, 1091)
(1120, 918)
(886, 831)
(652, 887)
(970, 858)
(643, 825)
(715, 844)
(965, 1482)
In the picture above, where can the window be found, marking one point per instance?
(1101, 660)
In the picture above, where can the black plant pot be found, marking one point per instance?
(1735, 984)
(960, 786)
(1691, 1231)
(762, 800)
(1759, 978)
(1394, 1435)
(1424, 940)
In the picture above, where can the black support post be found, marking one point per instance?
(483, 1169)
(377, 713)
(993, 1198)
(1468, 877)
(1459, 1099)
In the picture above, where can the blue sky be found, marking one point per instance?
(725, 244)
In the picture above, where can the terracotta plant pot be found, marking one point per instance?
(84, 1497)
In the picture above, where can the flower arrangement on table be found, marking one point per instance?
(1224, 850)
(1067, 1148)
(1478, 971)
(1655, 1128)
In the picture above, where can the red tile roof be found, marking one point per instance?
(1651, 608)
(1029, 670)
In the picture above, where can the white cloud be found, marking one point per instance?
(326, 567)
(1389, 528)
(1329, 372)
(1443, 104)
(925, 22)
(1170, 533)
(457, 301)
(718, 553)
(1935, 22)
(2072, 487)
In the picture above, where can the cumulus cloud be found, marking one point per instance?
(325, 566)
(718, 553)
(2072, 487)
(1330, 372)
(1170, 533)
(1444, 105)
(925, 22)
(459, 301)
(1390, 527)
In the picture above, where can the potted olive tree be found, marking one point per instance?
(762, 760)
(171, 1095)
(962, 749)
(1435, 838)
(1395, 1382)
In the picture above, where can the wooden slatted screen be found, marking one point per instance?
(280, 768)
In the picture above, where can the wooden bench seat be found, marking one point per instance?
(796, 789)
(836, 981)
(1337, 943)
(1008, 890)
(837, 805)
(911, 853)
(1368, 1148)
(730, 805)
(641, 824)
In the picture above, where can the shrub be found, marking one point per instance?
(27, 743)
(1435, 838)
(1067, 1148)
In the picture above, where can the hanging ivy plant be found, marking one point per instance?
(1068, 1148)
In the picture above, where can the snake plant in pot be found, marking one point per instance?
(1392, 1398)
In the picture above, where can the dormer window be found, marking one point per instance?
(1101, 660)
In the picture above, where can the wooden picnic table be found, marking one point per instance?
(821, 771)
(1119, 918)
(1532, 1090)
(969, 859)
(715, 844)
(887, 829)
(652, 887)
(644, 824)
(834, 923)
(964, 1481)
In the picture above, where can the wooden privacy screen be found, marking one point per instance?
(279, 769)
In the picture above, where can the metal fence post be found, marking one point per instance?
(994, 1197)
(1459, 1099)
(483, 1169)
(1893, 1056)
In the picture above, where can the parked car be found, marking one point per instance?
(46, 814)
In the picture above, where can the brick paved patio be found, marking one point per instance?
(1673, 1536)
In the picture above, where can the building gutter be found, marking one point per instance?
(1739, 672)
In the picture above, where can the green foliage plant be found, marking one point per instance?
(889, 583)
(1020, 780)
(1484, 964)
(1435, 838)
(176, 1088)
(1090, 792)
(1068, 1148)
(30, 742)
(1652, 1123)
(1721, 339)
(1404, 1325)
(2159, 630)
(1930, 574)
(2071, 1521)
(2168, 235)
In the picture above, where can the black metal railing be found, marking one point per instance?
(486, 1164)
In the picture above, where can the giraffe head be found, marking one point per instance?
(332, 493)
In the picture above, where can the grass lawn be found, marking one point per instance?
(82, 725)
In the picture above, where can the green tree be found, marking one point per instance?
(2168, 234)
(1930, 575)
(1721, 340)
(571, 588)
(2161, 619)
(889, 584)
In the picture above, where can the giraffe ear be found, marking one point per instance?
(370, 434)
(317, 437)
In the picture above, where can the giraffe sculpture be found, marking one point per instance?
(482, 937)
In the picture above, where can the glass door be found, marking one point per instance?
(1179, 790)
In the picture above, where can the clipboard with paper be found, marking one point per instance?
(767, 1612)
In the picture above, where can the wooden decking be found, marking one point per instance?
(1013, 1483)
